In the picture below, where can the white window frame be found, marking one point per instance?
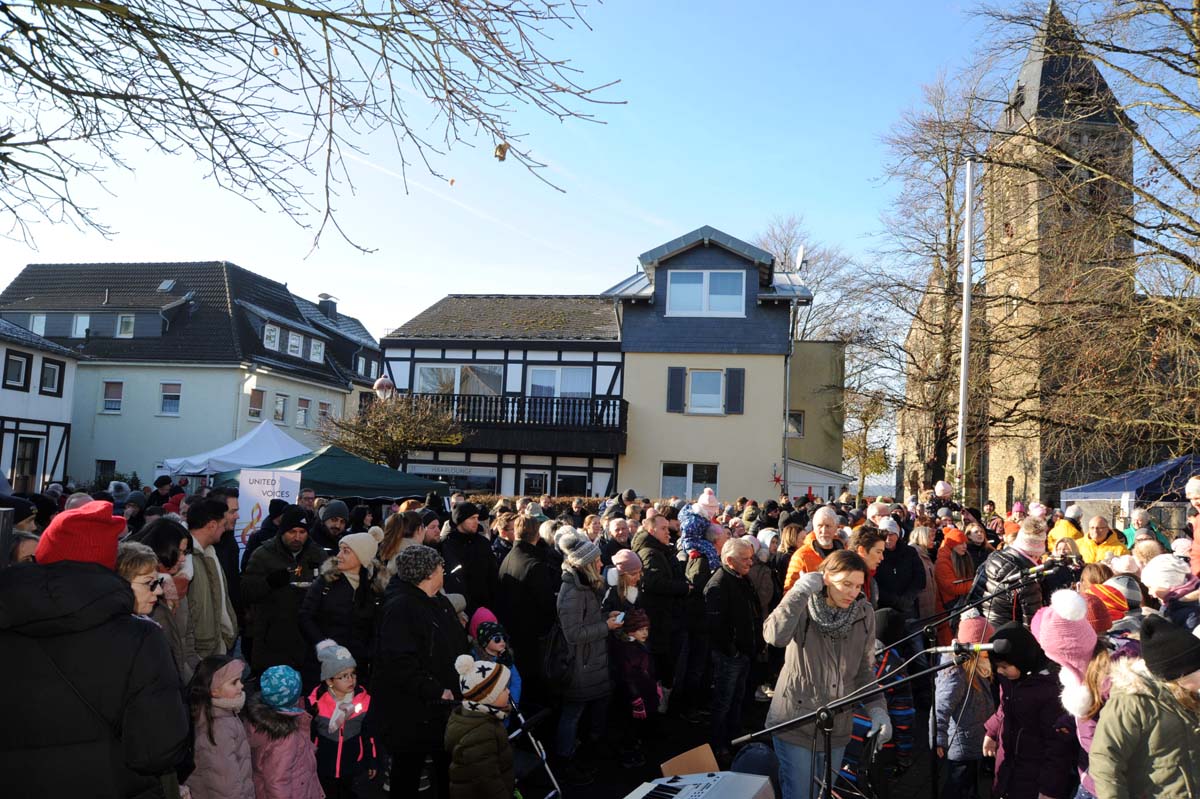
(120, 318)
(162, 396)
(704, 293)
(271, 337)
(120, 402)
(360, 365)
(558, 377)
(295, 345)
(316, 351)
(37, 323)
(276, 415)
(374, 367)
(791, 433)
(250, 409)
(307, 409)
(691, 477)
(56, 389)
(77, 330)
(26, 370)
(457, 367)
(689, 406)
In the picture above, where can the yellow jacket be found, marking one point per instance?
(1110, 547)
(1062, 529)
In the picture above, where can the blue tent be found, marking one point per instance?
(1161, 482)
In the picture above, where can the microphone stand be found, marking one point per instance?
(824, 715)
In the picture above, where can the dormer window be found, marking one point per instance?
(706, 292)
(317, 352)
(125, 325)
(361, 365)
(295, 345)
(80, 324)
(271, 337)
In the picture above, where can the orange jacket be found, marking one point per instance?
(805, 559)
(943, 573)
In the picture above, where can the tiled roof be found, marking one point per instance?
(702, 235)
(345, 326)
(15, 334)
(205, 321)
(509, 317)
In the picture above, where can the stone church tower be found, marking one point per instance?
(1051, 243)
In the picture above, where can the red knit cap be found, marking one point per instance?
(1112, 598)
(1097, 613)
(952, 537)
(87, 534)
(974, 630)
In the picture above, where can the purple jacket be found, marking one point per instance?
(223, 769)
(1037, 741)
(285, 762)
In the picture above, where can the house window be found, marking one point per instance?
(317, 351)
(296, 345)
(478, 378)
(37, 323)
(16, 370)
(281, 408)
(705, 392)
(564, 381)
(51, 384)
(170, 394)
(79, 325)
(323, 409)
(706, 293)
(688, 479)
(271, 337)
(257, 398)
(361, 365)
(125, 325)
(795, 428)
(374, 369)
(113, 394)
(302, 406)
(105, 470)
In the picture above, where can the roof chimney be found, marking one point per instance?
(328, 307)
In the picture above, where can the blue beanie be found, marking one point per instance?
(280, 686)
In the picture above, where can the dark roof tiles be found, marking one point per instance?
(515, 318)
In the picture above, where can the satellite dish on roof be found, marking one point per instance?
(324, 296)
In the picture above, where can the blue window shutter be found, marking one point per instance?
(676, 385)
(735, 390)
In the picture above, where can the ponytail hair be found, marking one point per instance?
(199, 692)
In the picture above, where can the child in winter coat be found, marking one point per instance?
(1030, 734)
(222, 750)
(491, 644)
(637, 687)
(285, 764)
(481, 758)
(962, 704)
(340, 705)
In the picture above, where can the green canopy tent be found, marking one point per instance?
(333, 472)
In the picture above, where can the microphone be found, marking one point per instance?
(1000, 647)
(1032, 571)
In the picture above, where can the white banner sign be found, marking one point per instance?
(256, 489)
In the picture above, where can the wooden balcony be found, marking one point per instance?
(538, 425)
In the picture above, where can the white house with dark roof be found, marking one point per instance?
(537, 382)
(181, 357)
(37, 388)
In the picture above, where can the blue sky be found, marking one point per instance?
(735, 113)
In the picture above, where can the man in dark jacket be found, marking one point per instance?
(161, 492)
(735, 634)
(469, 557)
(94, 701)
(414, 682)
(279, 573)
(326, 531)
(525, 605)
(769, 518)
(1016, 596)
(698, 571)
(614, 539)
(901, 575)
(227, 547)
(663, 590)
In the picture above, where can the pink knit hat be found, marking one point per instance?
(479, 617)
(1063, 630)
(626, 561)
(974, 630)
(707, 504)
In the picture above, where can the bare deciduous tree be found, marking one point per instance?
(386, 431)
(269, 96)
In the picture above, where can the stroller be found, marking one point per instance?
(529, 762)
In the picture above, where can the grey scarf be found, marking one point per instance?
(834, 623)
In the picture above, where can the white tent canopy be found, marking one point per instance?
(266, 443)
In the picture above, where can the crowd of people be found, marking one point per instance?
(151, 653)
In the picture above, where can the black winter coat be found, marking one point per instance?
(477, 571)
(419, 638)
(332, 608)
(262, 535)
(1011, 603)
(899, 578)
(227, 555)
(609, 547)
(697, 572)
(68, 624)
(276, 609)
(663, 589)
(734, 614)
(525, 603)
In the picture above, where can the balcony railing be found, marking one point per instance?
(561, 413)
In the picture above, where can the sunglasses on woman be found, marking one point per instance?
(155, 583)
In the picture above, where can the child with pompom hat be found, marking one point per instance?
(340, 705)
(481, 758)
(962, 705)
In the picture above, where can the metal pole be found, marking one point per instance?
(965, 349)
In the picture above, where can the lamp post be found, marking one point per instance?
(384, 388)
